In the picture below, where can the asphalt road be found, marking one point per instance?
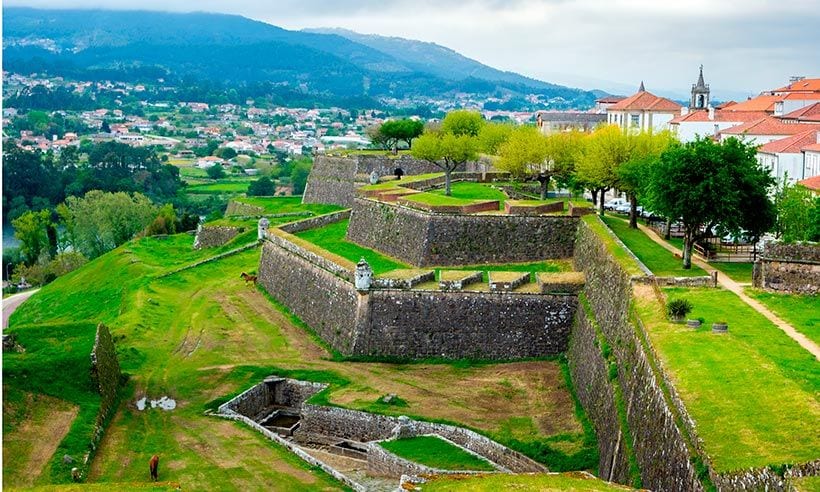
(11, 303)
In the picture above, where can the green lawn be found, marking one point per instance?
(218, 187)
(537, 266)
(535, 482)
(800, 311)
(332, 238)
(660, 261)
(739, 272)
(436, 453)
(396, 183)
(287, 204)
(468, 190)
(753, 392)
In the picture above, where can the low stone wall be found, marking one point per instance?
(362, 426)
(793, 268)
(425, 239)
(381, 462)
(699, 281)
(214, 236)
(291, 393)
(513, 208)
(315, 222)
(578, 211)
(472, 208)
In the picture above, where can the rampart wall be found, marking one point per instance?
(635, 423)
(412, 323)
(427, 239)
(214, 236)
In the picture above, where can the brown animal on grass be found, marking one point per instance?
(154, 466)
(248, 278)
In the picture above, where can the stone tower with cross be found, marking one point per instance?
(700, 93)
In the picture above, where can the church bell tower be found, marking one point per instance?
(700, 94)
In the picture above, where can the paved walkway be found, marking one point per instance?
(737, 288)
(11, 303)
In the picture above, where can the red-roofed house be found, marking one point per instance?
(765, 130)
(709, 122)
(807, 114)
(642, 110)
(785, 157)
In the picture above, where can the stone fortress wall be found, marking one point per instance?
(334, 179)
(791, 268)
(425, 239)
(412, 323)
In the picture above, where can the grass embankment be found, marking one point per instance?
(436, 453)
(219, 187)
(191, 336)
(800, 311)
(618, 252)
(286, 204)
(752, 392)
(57, 364)
(658, 259)
(531, 482)
(332, 238)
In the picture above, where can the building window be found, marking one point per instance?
(633, 119)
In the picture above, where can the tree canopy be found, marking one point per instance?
(446, 151)
(705, 184)
(462, 122)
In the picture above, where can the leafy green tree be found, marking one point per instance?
(524, 155)
(462, 122)
(603, 151)
(493, 135)
(215, 172)
(446, 151)
(377, 138)
(405, 130)
(795, 206)
(704, 184)
(261, 187)
(299, 176)
(31, 229)
(164, 223)
(101, 221)
(225, 153)
(645, 149)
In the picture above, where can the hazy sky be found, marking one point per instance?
(746, 46)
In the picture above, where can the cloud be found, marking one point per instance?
(744, 45)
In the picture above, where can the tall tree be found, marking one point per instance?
(524, 155)
(645, 148)
(446, 151)
(31, 229)
(599, 158)
(462, 122)
(704, 184)
(493, 135)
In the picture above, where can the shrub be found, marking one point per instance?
(677, 309)
(215, 172)
(261, 187)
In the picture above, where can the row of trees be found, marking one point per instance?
(705, 185)
(35, 180)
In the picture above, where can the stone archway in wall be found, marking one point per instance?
(398, 172)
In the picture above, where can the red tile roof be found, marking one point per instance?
(610, 99)
(807, 113)
(721, 115)
(759, 103)
(768, 126)
(812, 183)
(811, 148)
(802, 96)
(810, 85)
(790, 145)
(646, 101)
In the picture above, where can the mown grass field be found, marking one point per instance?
(753, 392)
(800, 311)
(286, 204)
(219, 187)
(332, 238)
(202, 334)
(534, 482)
(660, 261)
(436, 453)
(739, 272)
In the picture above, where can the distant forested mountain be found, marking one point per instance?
(236, 51)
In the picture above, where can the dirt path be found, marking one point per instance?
(737, 288)
(11, 303)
